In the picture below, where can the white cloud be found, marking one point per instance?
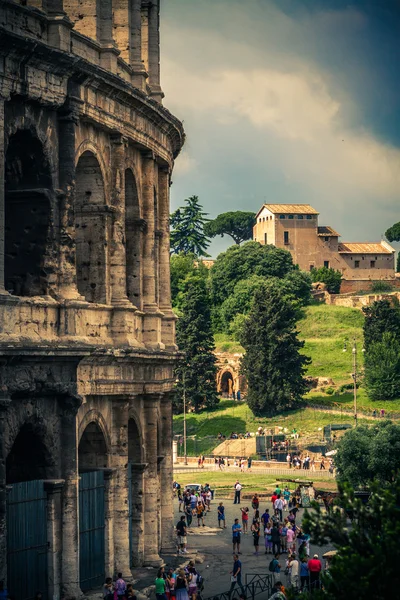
(184, 163)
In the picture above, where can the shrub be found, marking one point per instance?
(381, 286)
(330, 277)
(330, 391)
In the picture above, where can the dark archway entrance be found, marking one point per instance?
(136, 500)
(227, 385)
(92, 461)
(133, 239)
(28, 189)
(91, 226)
(27, 465)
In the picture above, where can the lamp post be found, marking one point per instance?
(185, 462)
(354, 375)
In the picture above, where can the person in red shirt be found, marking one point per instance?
(314, 567)
(273, 498)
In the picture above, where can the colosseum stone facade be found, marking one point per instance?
(87, 334)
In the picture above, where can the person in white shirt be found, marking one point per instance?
(278, 506)
(237, 488)
(294, 571)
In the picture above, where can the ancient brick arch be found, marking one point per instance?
(95, 416)
(229, 378)
(30, 456)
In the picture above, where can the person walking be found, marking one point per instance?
(221, 516)
(314, 567)
(276, 539)
(268, 538)
(237, 488)
(236, 530)
(236, 574)
(275, 567)
(200, 513)
(160, 585)
(304, 574)
(278, 506)
(181, 535)
(188, 514)
(294, 572)
(249, 461)
(255, 529)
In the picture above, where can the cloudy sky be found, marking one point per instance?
(287, 101)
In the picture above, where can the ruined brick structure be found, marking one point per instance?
(87, 334)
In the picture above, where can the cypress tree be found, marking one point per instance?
(272, 364)
(196, 370)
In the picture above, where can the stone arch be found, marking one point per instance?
(28, 190)
(29, 457)
(88, 145)
(227, 383)
(135, 441)
(91, 224)
(92, 450)
(94, 416)
(133, 237)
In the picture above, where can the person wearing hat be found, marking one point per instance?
(314, 568)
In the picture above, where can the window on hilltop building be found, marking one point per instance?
(309, 217)
(281, 216)
(300, 217)
(311, 267)
(326, 239)
(372, 264)
(265, 238)
(291, 217)
(356, 264)
(286, 237)
(326, 264)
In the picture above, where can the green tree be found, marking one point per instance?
(382, 316)
(382, 368)
(187, 234)
(367, 454)
(393, 233)
(238, 225)
(366, 563)
(242, 262)
(272, 364)
(330, 277)
(196, 370)
(182, 266)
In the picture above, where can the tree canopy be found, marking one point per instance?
(393, 233)
(330, 277)
(382, 368)
(272, 364)
(187, 234)
(196, 370)
(366, 563)
(238, 225)
(244, 262)
(367, 454)
(183, 266)
(382, 316)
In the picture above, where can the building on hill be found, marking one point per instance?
(295, 228)
(87, 333)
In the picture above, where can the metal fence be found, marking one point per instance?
(255, 585)
(262, 471)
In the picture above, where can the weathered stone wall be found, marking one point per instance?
(87, 333)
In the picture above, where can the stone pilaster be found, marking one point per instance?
(166, 473)
(70, 588)
(154, 50)
(59, 25)
(151, 404)
(2, 224)
(121, 490)
(152, 315)
(118, 255)
(67, 123)
(54, 535)
(5, 402)
(169, 318)
(108, 53)
(139, 71)
(138, 548)
(109, 519)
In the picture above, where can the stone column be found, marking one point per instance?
(169, 318)
(139, 71)
(2, 224)
(154, 50)
(54, 535)
(67, 123)
(109, 519)
(151, 558)
(5, 402)
(138, 548)
(70, 588)
(166, 474)
(152, 315)
(121, 500)
(121, 27)
(108, 53)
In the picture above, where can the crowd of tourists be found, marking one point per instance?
(118, 589)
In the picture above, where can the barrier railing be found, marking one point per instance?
(255, 585)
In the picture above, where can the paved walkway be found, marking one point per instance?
(216, 547)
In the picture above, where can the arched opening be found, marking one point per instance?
(91, 226)
(227, 385)
(27, 464)
(136, 501)
(28, 188)
(133, 240)
(92, 462)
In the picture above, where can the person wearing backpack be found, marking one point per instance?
(275, 567)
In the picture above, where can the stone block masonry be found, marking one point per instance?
(87, 332)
